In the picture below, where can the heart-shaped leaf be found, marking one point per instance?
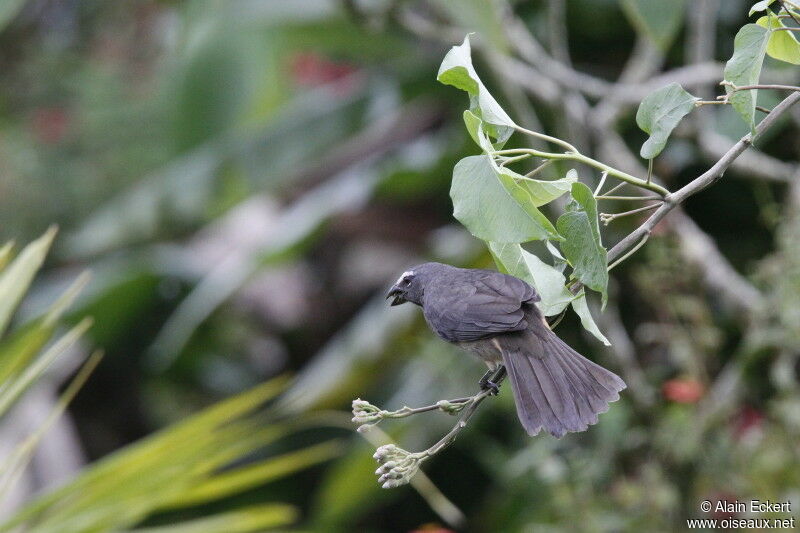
(581, 308)
(759, 6)
(782, 44)
(582, 245)
(493, 207)
(541, 191)
(457, 70)
(744, 68)
(658, 115)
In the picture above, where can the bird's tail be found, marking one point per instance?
(555, 387)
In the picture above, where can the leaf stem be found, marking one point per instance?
(723, 100)
(624, 176)
(606, 197)
(548, 138)
(630, 252)
(606, 218)
(510, 160)
(788, 12)
(580, 158)
(539, 168)
(772, 86)
(616, 187)
(600, 185)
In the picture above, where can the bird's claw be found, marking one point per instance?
(491, 386)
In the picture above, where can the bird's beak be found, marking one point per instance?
(398, 296)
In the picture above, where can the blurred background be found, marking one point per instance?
(245, 178)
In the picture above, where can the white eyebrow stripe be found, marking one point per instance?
(404, 275)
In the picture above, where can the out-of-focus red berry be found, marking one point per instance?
(747, 419)
(431, 528)
(50, 124)
(683, 390)
(311, 69)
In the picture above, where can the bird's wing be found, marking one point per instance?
(477, 305)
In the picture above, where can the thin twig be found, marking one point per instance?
(788, 11)
(630, 252)
(548, 138)
(607, 218)
(509, 160)
(448, 439)
(539, 168)
(606, 197)
(616, 188)
(724, 101)
(600, 185)
(399, 466)
(769, 86)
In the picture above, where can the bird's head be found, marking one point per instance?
(410, 286)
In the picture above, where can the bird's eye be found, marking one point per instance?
(407, 280)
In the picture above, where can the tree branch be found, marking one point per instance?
(706, 179)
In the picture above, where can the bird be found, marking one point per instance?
(494, 316)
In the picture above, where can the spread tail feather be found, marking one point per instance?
(558, 389)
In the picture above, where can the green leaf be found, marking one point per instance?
(541, 191)
(19, 349)
(582, 246)
(782, 44)
(548, 282)
(17, 277)
(744, 68)
(545, 191)
(581, 308)
(457, 70)
(659, 20)
(658, 115)
(759, 6)
(559, 263)
(493, 207)
(243, 520)
(475, 129)
(5, 254)
(8, 11)
(28, 375)
(348, 491)
(243, 478)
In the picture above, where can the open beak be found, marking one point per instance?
(398, 296)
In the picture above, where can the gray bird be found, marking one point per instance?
(494, 316)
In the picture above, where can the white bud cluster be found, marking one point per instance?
(398, 466)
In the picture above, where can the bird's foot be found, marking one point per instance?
(492, 387)
(490, 380)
